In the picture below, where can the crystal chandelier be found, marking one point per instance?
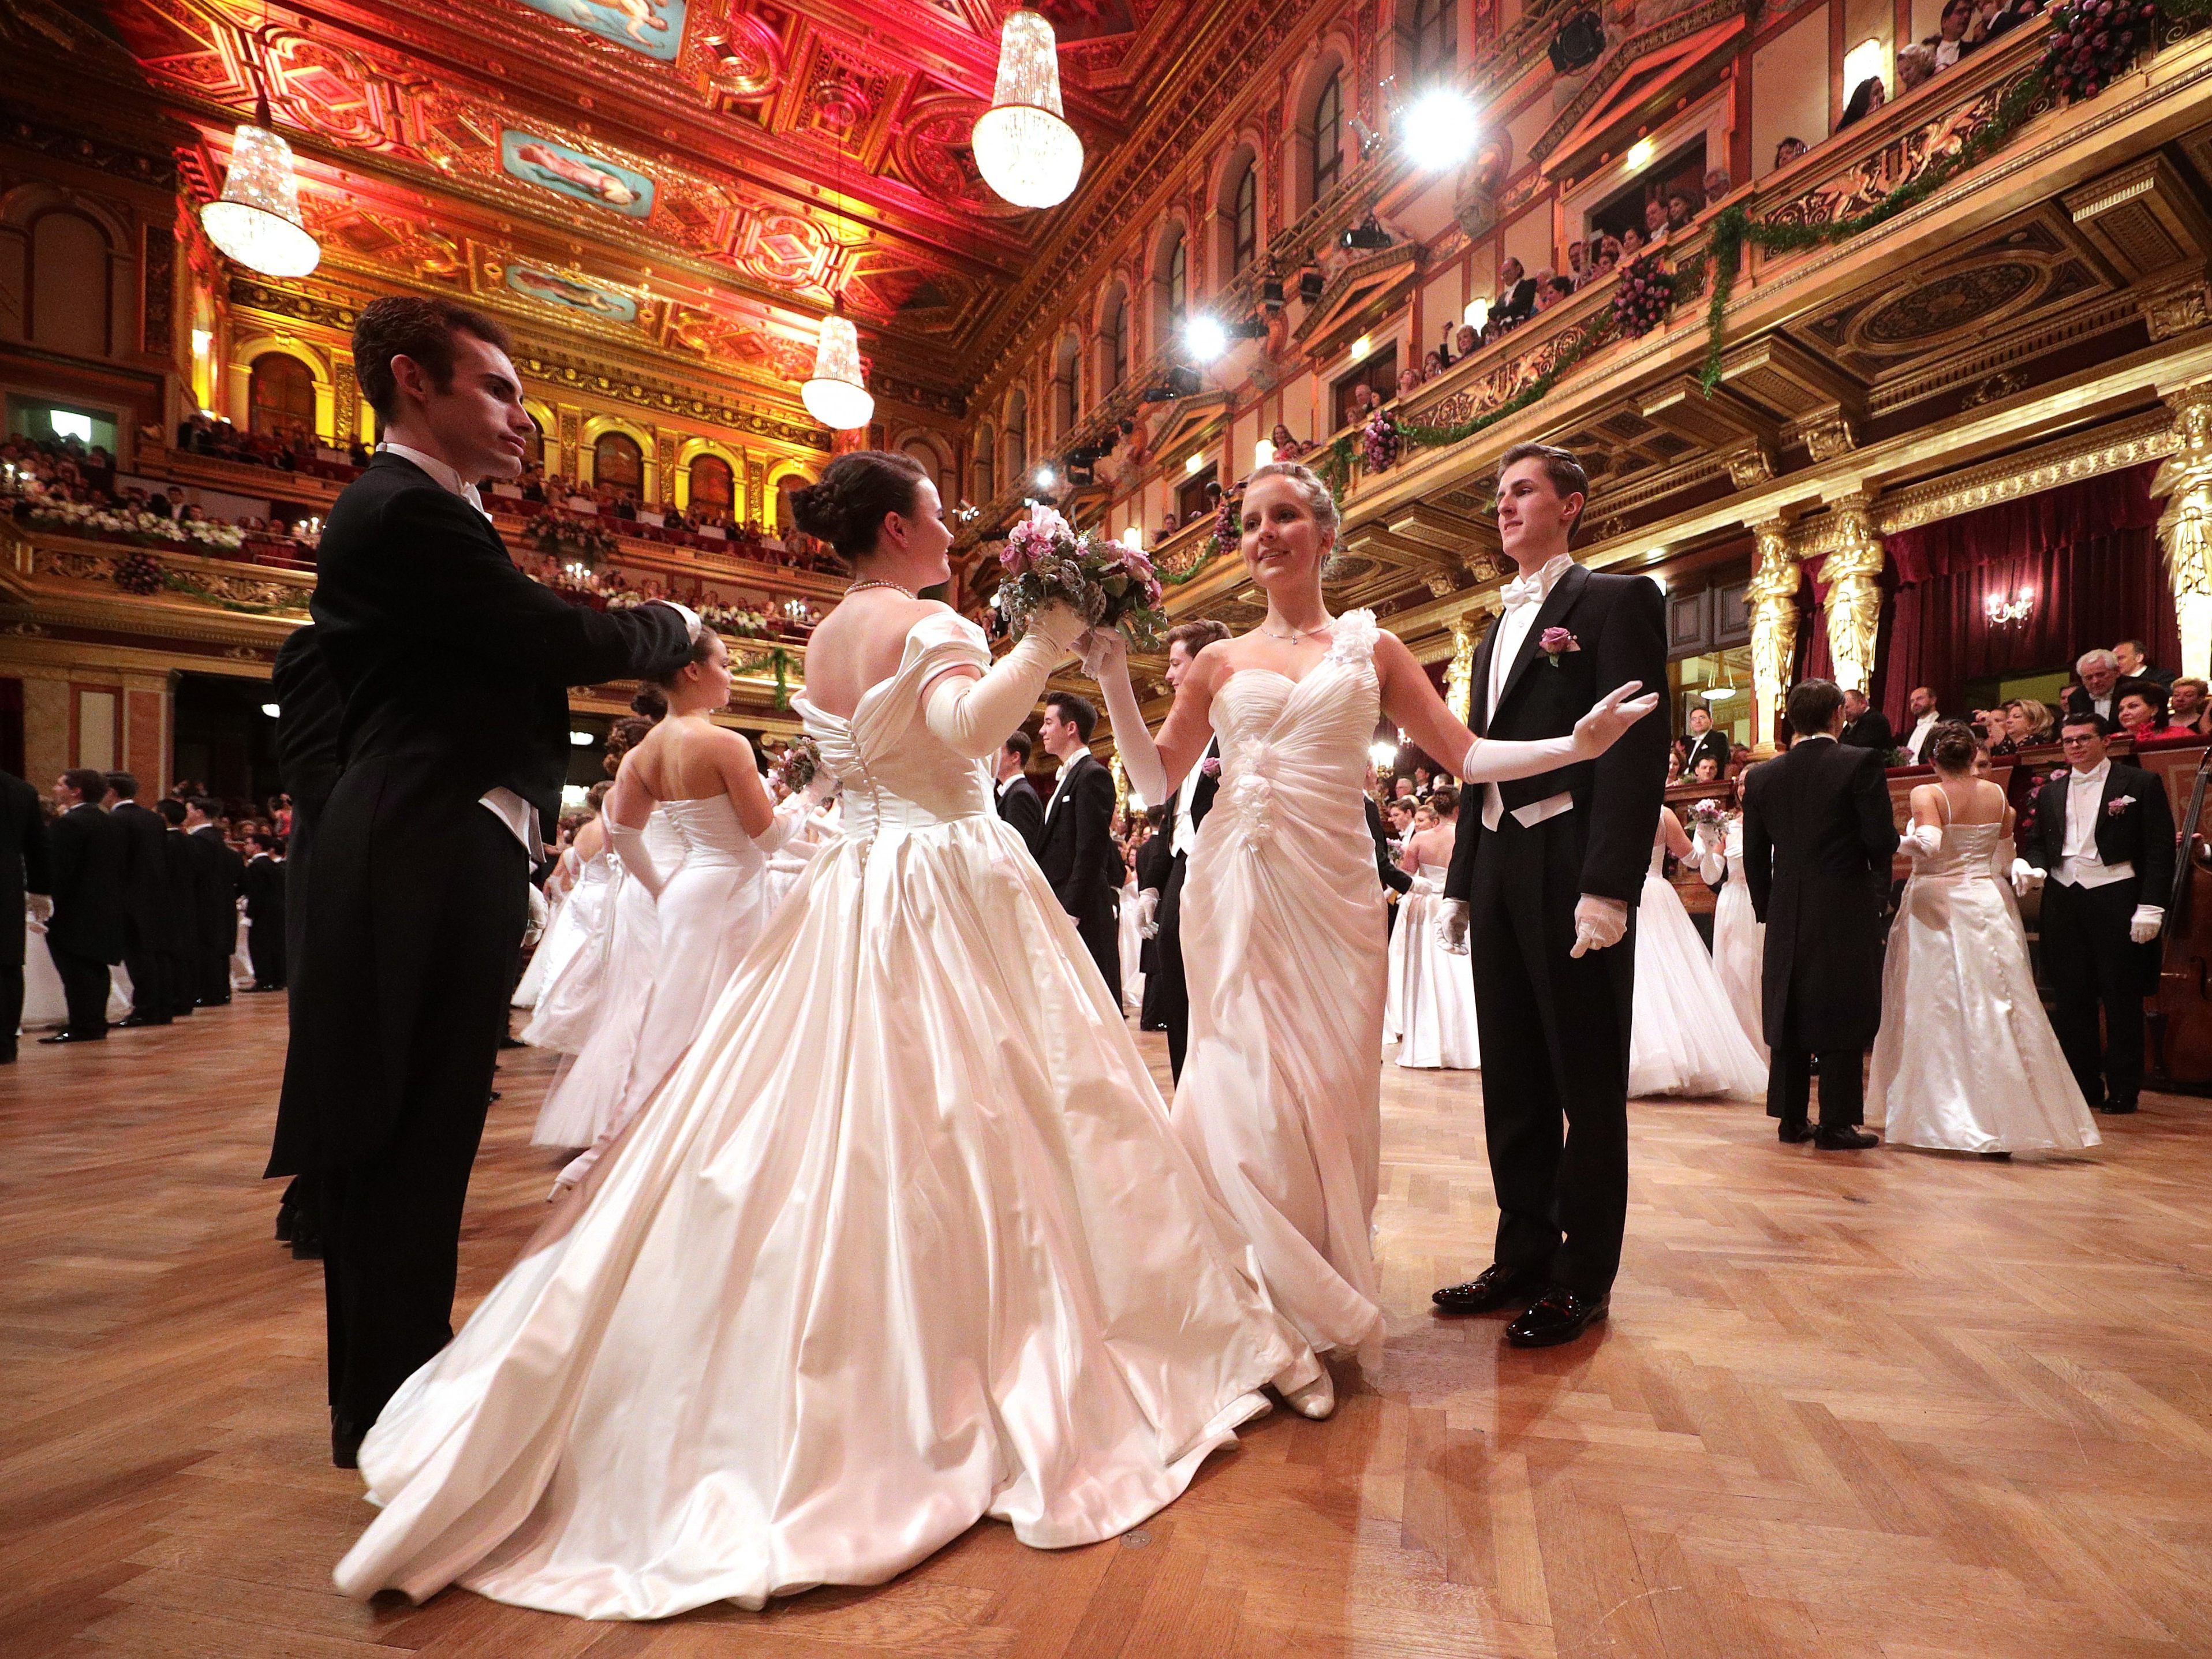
(1023, 146)
(256, 220)
(837, 395)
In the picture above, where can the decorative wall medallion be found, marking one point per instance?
(1959, 299)
(571, 292)
(655, 28)
(575, 173)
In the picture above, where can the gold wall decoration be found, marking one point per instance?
(1459, 678)
(2185, 529)
(1775, 577)
(1853, 570)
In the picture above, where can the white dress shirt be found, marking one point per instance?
(2079, 865)
(1505, 650)
(1186, 833)
(1915, 744)
(1060, 782)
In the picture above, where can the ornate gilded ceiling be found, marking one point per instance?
(694, 175)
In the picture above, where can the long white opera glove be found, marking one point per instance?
(1133, 738)
(629, 845)
(1599, 923)
(1452, 919)
(1148, 913)
(2143, 926)
(1712, 852)
(973, 717)
(2025, 878)
(1496, 760)
(1921, 841)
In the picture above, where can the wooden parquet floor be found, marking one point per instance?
(1891, 1404)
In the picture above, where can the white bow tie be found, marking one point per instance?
(1524, 590)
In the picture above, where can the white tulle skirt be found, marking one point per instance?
(1685, 1037)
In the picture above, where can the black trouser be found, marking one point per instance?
(392, 1219)
(1789, 1080)
(11, 997)
(264, 949)
(180, 970)
(214, 981)
(2093, 963)
(1554, 1031)
(149, 967)
(85, 986)
(1167, 993)
(1102, 936)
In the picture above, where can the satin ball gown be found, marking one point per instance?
(1740, 939)
(906, 1242)
(1434, 991)
(575, 947)
(1685, 1037)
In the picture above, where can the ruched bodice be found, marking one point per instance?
(1296, 751)
(898, 776)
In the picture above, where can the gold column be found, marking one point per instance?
(1853, 605)
(2185, 529)
(1776, 578)
(1459, 678)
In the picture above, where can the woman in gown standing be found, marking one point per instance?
(575, 948)
(1435, 991)
(1285, 943)
(906, 1241)
(1685, 1036)
(1966, 1059)
(1739, 936)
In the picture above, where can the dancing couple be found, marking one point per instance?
(908, 1237)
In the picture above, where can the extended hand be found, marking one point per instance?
(1060, 622)
(1451, 926)
(42, 907)
(1614, 712)
(1423, 887)
(1104, 652)
(2025, 878)
(1599, 922)
(1148, 913)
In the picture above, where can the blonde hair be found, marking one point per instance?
(1319, 500)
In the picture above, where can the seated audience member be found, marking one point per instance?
(1707, 771)
(1788, 151)
(1632, 244)
(1718, 184)
(2136, 664)
(2027, 725)
(2143, 712)
(1654, 221)
(1682, 206)
(1409, 381)
(1463, 343)
(1915, 65)
(1870, 95)
(2187, 704)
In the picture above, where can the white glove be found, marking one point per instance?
(1423, 887)
(1599, 922)
(691, 623)
(972, 717)
(2147, 919)
(1148, 913)
(1921, 841)
(629, 845)
(822, 788)
(1452, 919)
(2025, 878)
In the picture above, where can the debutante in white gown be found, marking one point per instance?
(44, 1001)
(1966, 1059)
(789, 862)
(907, 1241)
(1132, 948)
(1435, 992)
(1685, 1037)
(576, 943)
(593, 1083)
(1285, 953)
(1739, 936)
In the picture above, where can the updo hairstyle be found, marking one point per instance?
(650, 704)
(1952, 746)
(846, 508)
(1316, 495)
(702, 648)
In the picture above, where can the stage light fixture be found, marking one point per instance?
(1441, 129)
(1204, 338)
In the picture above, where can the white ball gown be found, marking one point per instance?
(567, 996)
(44, 1002)
(1287, 954)
(1739, 936)
(1685, 1037)
(1435, 991)
(1132, 948)
(554, 944)
(1966, 1059)
(907, 1241)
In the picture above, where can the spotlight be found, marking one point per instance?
(581, 740)
(1579, 43)
(1045, 478)
(1271, 287)
(1310, 283)
(1252, 328)
(1441, 131)
(1204, 338)
(1080, 470)
(1182, 383)
(1367, 236)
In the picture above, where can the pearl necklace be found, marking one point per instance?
(877, 582)
(1297, 634)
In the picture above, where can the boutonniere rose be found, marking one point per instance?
(1556, 642)
(1211, 766)
(2118, 804)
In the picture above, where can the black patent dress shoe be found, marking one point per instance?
(1794, 1132)
(2116, 1108)
(1494, 1288)
(346, 1436)
(140, 1019)
(1826, 1139)
(1558, 1316)
(73, 1036)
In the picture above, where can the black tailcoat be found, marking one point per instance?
(1076, 852)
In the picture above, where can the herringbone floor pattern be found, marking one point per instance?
(1890, 1404)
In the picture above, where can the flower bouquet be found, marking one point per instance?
(138, 572)
(1228, 522)
(801, 763)
(1380, 441)
(1643, 297)
(1708, 814)
(2092, 41)
(1110, 583)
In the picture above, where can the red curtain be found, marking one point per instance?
(2087, 551)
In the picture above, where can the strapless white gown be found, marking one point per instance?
(594, 1080)
(557, 943)
(1685, 1037)
(906, 1241)
(1133, 950)
(44, 1003)
(1435, 992)
(1966, 1059)
(1287, 954)
(1740, 943)
(567, 997)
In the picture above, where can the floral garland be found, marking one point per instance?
(1379, 442)
(1642, 298)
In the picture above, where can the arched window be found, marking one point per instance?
(617, 460)
(713, 489)
(1017, 441)
(1171, 284)
(983, 471)
(280, 394)
(1113, 341)
(1327, 154)
(785, 523)
(1065, 391)
(1178, 281)
(1435, 38)
(536, 441)
(1245, 219)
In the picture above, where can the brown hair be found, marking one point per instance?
(1077, 711)
(1952, 747)
(1445, 799)
(422, 329)
(1195, 637)
(1564, 471)
(848, 507)
(702, 648)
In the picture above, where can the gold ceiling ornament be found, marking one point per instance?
(837, 392)
(256, 220)
(1025, 148)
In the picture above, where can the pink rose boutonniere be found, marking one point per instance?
(1556, 642)
(1211, 766)
(2118, 804)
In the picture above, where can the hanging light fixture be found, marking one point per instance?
(837, 395)
(1025, 148)
(256, 220)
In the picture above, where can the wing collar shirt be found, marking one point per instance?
(2079, 865)
(1524, 597)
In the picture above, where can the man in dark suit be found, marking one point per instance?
(1548, 871)
(2099, 694)
(454, 745)
(1865, 727)
(2103, 835)
(263, 884)
(89, 854)
(1167, 993)
(1387, 872)
(1019, 804)
(181, 964)
(24, 869)
(1078, 841)
(221, 879)
(1705, 743)
(147, 908)
(2136, 664)
(1819, 835)
(1516, 294)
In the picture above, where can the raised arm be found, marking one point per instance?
(1155, 766)
(1676, 838)
(971, 712)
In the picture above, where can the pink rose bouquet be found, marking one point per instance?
(1112, 584)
